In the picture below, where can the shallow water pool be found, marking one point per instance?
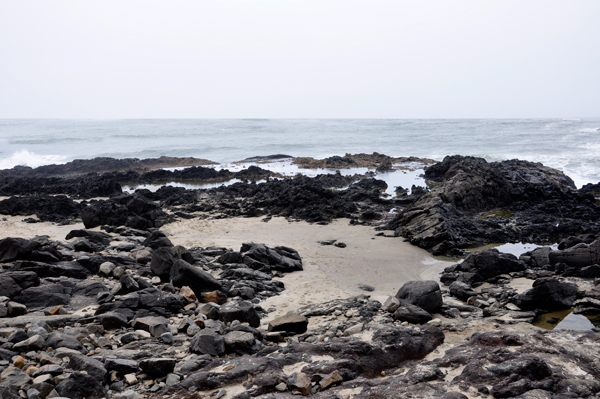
(566, 320)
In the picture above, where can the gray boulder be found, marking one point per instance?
(462, 291)
(424, 294)
(411, 313)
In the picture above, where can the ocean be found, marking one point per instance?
(570, 145)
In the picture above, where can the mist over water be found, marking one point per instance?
(570, 145)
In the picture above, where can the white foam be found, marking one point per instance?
(26, 158)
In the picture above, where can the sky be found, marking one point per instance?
(299, 59)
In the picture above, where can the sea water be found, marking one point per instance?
(570, 145)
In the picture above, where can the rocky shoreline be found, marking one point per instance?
(116, 309)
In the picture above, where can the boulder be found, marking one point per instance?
(33, 343)
(240, 342)
(424, 294)
(241, 311)
(14, 377)
(184, 274)
(461, 290)
(15, 309)
(149, 322)
(259, 256)
(411, 313)
(208, 342)
(156, 240)
(44, 296)
(578, 256)
(548, 294)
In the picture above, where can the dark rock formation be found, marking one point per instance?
(475, 202)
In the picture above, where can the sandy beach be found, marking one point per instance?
(330, 272)
(384, 263)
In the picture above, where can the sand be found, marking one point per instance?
(13, 226)
(329, 272)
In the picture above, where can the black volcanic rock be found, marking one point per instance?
(548, 294)
(474, 202)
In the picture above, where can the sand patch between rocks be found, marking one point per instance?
(385, 263)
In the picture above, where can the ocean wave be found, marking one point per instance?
(590, 129)
(26, 158)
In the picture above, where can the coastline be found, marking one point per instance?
(176, 292)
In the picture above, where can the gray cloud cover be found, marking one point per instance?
(288, 58)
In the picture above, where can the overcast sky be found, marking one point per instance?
(299, 59)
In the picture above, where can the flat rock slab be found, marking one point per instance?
(291, 322)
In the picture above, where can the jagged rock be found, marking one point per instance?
(148, 322)
(482, 266)
(33, 343)
(156, 240)
(424, 294)
(15, 309)
(299, 382)
(209, 310)
(259, 256)
(13, 282)
(292, 323)
(45, 296)
(477, 202)
(330, 379)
